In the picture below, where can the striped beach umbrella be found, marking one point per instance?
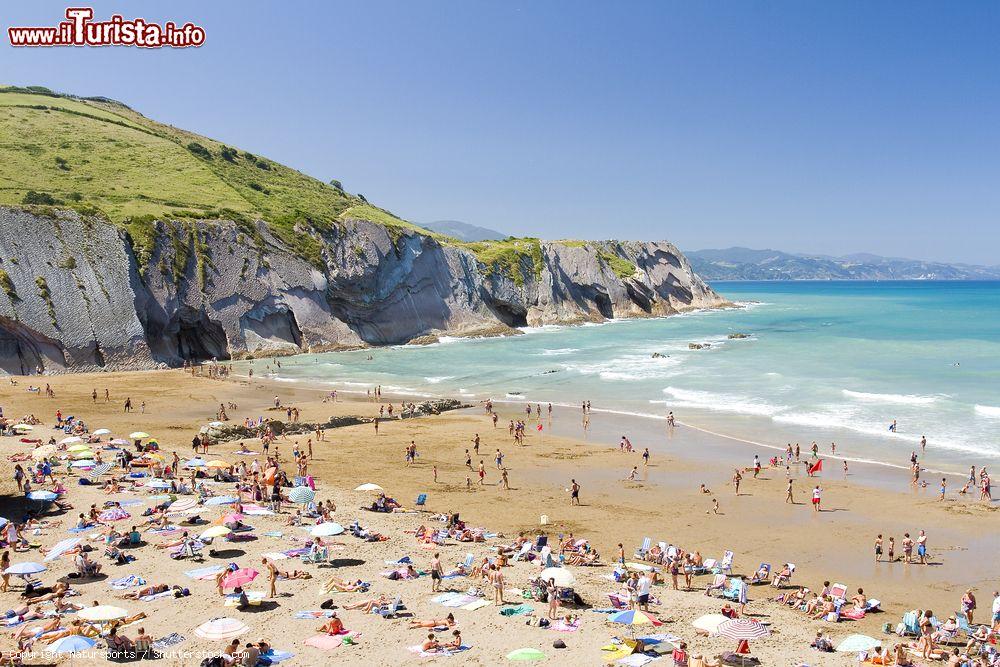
(114, 514)
(100, 469)
(221, 628)
(182, 504)
(221, 500)
(42, 495)
(61, 547)
(24, 569)
(301, 495)
(633, 617)
(742, 629)
(102, 613)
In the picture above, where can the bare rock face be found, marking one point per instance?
(74, 295)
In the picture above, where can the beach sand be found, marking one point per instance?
(664, 503)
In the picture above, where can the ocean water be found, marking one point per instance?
(825, 361)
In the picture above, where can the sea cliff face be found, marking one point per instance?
(76, 293)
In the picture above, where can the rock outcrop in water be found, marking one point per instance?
(74, 296)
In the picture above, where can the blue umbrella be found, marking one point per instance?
(84, 463)
(221, 500)
(196, 463)
(301, 494)
(3, 522)
(72, 644)
(42, 495)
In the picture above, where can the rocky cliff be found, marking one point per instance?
(79, 293)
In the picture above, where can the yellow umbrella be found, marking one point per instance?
(78, 448)
(43, 452)
(216, 531)
(138, 435)
(82, 455)
(102, 613)
(217, 463)
(155, 455)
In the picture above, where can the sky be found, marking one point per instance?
(803, 126)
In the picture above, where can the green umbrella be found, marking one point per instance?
(526, 654)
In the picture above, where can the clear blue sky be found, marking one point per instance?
(805, 126)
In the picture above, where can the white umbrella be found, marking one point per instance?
(326, 529)
(709, 622)
(563, 577)
(71, 440)
(43, 452)
(221, 628)
(25, 568)
(102, 431)
(23, 427)
(216, 424)
(369, 487)
(61, 547)
(857, 643)
(102, 613)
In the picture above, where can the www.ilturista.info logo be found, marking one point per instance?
(81, 30)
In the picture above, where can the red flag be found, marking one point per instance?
(539, 427)
(816, 467)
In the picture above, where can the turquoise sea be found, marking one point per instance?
(825, 361)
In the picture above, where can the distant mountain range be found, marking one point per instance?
(463, 231)
(749, 264)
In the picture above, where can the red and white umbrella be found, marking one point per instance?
(743, 629)
(222, 628)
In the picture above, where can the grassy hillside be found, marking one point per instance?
(99, 155)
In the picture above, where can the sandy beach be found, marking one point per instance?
(663, 502)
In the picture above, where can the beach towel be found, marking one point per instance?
(173, 639)
(203, 573)
(314, 614)
(274, 533)
(277, 656)
(156, 596)
(131, 580)
(478, 604)
(81, 530)
(635, 660)
(440, 653)
(516, 610)
(563, 626)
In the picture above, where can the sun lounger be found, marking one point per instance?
(780, 581)
(523, 553)
(644, 549)
(726, 566)
(762, 574)
(390, 610)
(838, 591)
(319, 557)
(718, 584)
(732, 592)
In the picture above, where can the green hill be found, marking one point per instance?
(99, 156)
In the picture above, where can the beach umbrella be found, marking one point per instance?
(119, 441)
(42, 495)
(302, 495)
(183, 505)
(240, 577)
(80, 447)
(742, 629)
(325, 642)
(633, 617)
(25, 568)
(72, 439)
(102, 431)
(102, 613)
(100, 469)
(61, 547)
(216, 424)
(221, 628)
(369, 487)
(84, 463)
(154, 456)
(525, 655)
(221, 500)
(138, 435)
(81, 454)
(114, 514)
(71, 644)
(158, 484)
(43, 452)
(858, 643)
(216, 531)
(23, 427)
(709, 623)
(564, 578)
(195, 463)
(4, 521)
(326, 529)
(232, 517)
(217, 463)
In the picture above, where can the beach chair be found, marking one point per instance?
(761, 574)
(838, 591)
(732, 592)
(319, 557)
(726, 566)
(421, 500)
(780, 581)
(964, 625)
(390, 610)
(541, 542)
(911, 624)
(523, 553)
(468, 562)
(617, 602)
(718, 584)
(644, 549)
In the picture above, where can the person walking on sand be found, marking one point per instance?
(756, 466)
(475, 444)
(878, 548)
(816, 498)
(272, 576)
(645, 457)
(922, 547)
(632, 475)
(737, 477)
(574, 493)
(482, 473)
(436, 573)
(435, 474)
(496, 578)
(788, 492)
(504, 481)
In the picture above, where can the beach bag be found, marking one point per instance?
(558, 644)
